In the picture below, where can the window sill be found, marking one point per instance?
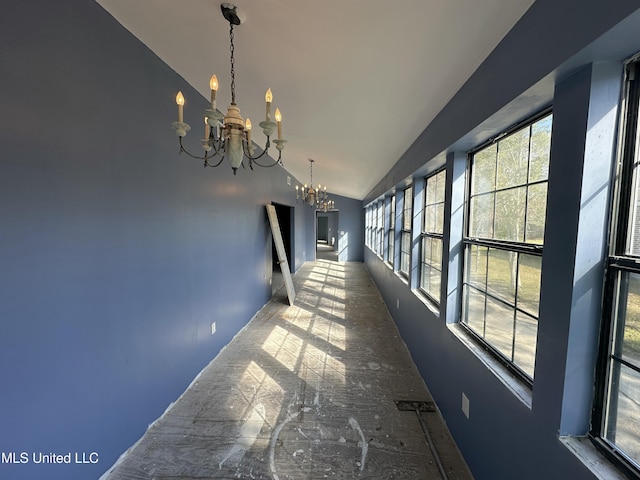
(589, 455)
(519, 389)
(402, 276)
(430, 304)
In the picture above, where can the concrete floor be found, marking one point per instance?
(325, 251)
(303, 392)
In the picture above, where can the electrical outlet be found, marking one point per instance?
(213, 328)
(288, 180)
(465, 405)
(397, 303)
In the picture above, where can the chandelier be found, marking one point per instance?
(314, 197)
(229, 136)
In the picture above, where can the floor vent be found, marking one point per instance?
(412, 406)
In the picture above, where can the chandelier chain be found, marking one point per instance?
(232, 61)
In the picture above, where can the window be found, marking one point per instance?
(617, 406)
(503, 244)
(367, 226)
(405, 239)
(432, 227)
(380, 228)
(391, 238)
(370, 211)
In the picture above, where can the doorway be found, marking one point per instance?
(285, 219)
(323, 229)
(327, 236)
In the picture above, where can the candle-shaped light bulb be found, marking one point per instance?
(279, 122)
(247, 127)
(207, 129)
(268, 97)
(180, 102)
(213, 84)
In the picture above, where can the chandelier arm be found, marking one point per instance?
(245, 148)
(205, 157)
(275, 162)
(217, 144)
(182, 149)
(246, 153)
(207, 164)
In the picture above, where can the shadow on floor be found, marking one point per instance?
(305, 391)
(326, 252)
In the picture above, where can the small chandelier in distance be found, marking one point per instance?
(312, 196)
(229, 135)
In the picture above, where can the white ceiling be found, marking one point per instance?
(356, 80)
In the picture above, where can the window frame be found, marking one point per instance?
(621, 262)
(519, 248)
(380, 229)
(431, 235)
(407, 206)
(367, 225)
(391, 230)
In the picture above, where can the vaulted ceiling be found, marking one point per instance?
(356, 80)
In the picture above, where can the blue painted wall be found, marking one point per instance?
(116, 254)
(350, 227)
(566, 54)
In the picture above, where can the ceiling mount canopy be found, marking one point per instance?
(229, 136)
(232, 14)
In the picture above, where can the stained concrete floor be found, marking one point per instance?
(303, 392)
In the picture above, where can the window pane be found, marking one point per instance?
(510, 208)
(473, 306)
(439, 224)
(436, 253)
(499, 326)
(524, 354)
(484, 170)
(513, 160)
(431, 269)
(404, 252)
(481, 216)
(407, 209)
(476, 266)
(623, 412)
(629, 320)
(426, 250)
(431, 194)
(429, 218)
(633, 242)
(529, 271)
(434, 284)
(501, 277)
(540, 149)
(425, 270)
(536, 212)
(440, 184)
